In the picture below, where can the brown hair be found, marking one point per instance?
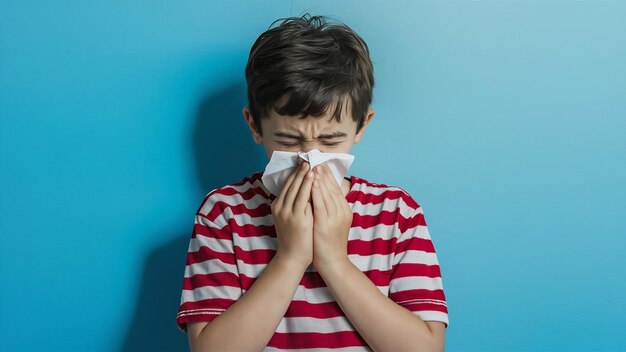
(313, 64)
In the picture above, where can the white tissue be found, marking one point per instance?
(282, 164)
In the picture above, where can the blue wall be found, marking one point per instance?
(505, 120)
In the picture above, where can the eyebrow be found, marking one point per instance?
(331, 135)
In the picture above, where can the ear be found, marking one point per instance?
(258, 139)
(366, 120)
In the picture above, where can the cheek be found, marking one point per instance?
(340, 148)
(268, 152)
(326, 149)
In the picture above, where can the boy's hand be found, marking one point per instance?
(293, 218)
(332, 219)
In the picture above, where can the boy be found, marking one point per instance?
(320, 265)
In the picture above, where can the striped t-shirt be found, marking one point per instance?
(234, 238)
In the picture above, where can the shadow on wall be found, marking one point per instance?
(223, 146)
(224, 153)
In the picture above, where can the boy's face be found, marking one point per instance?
(292, 134)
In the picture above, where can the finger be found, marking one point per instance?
(304, 195)
(336, 192)
(319, 209)
(295, 185)
(332, 189)
(331, 181)
(283, 192)
(324, 190)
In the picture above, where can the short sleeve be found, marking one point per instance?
(211, 281)
(415, 281)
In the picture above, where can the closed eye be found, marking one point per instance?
(295, 144)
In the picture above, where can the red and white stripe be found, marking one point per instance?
(233, 239)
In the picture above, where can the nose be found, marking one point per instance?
(312, 148)
(321, 150)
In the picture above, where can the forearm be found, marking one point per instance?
(249, 323)
(383, 324)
